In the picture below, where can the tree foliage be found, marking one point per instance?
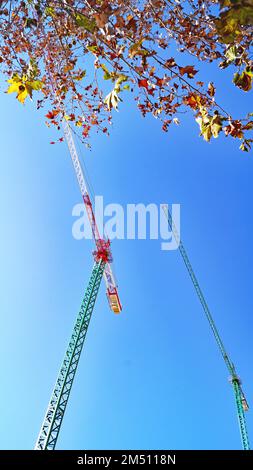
(69, 50)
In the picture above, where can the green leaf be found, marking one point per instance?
(243, 80)
(210, 126)
(107, 74)
(246, 145)
(36, 85)
(50, 11)
(231, 53)
(229, 23)
(85, 22)
(136, 49)
(120, 79)
(92, 48)
(216, 125)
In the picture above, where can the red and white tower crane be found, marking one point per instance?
(101, 243)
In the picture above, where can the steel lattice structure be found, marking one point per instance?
(57, 406)
(241, 402)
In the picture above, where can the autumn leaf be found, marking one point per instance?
(210, 126)
(230, 22)
(93, 48)
(176, 121)
(191, 101)
(52, 114)
(170, 62)
(243, 80)
(136, 50)
(189, 70)
(101, 19)
(131, 25)
(86, 129)
(85, 22)
(194, 101)
(143, 83)
(49, 11)
(211, 89)
(121, 79)
(112, 100)
(68, 67)
(35, 85)
(216, 124)
(23, 87)
(159, 82)
(107, 74)
(205, 127)
(234, 129)
(69, 117)
(79, 76)
(246, 145)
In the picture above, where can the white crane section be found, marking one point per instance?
(111, 286)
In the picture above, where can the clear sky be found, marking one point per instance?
(152, 377)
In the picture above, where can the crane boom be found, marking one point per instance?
(111, 286)
(241, 401)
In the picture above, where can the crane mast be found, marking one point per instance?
(58, 402)
(241, 402)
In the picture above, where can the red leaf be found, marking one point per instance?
(143, 83)
(52, 114)
(159, 81)
(86, 129)
(132, 25)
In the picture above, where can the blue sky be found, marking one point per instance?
(151, 377)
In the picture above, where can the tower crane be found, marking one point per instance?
(241, 402)
(52, 422)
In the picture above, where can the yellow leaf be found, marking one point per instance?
(22, 95)
(22, 87)
(13, 88)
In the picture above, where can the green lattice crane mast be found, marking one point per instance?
(241, 402)
(51, 425)
(58, 402)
